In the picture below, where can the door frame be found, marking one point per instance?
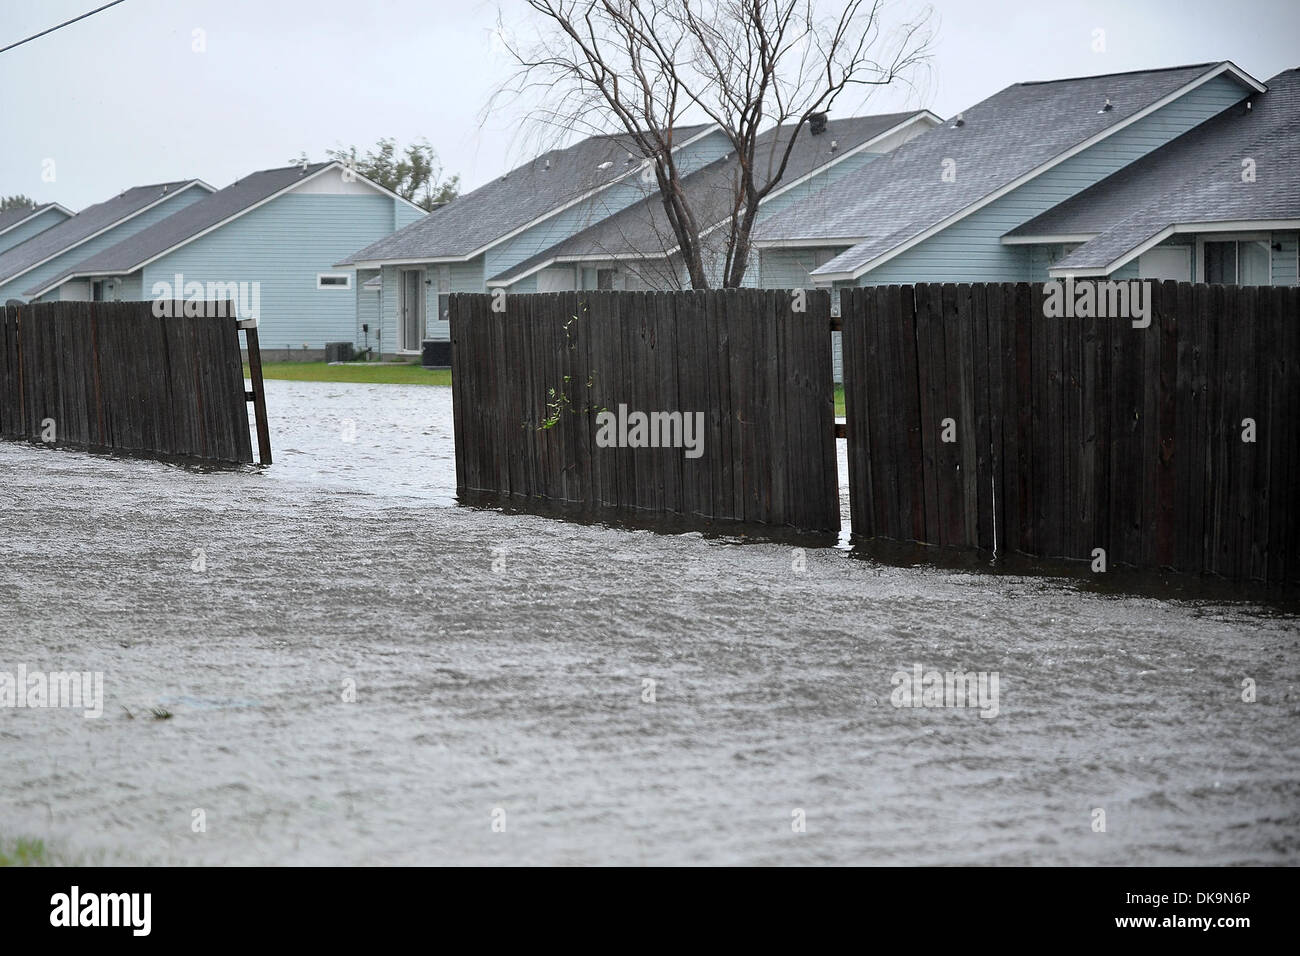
(402, 295)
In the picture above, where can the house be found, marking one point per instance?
(1220, 204)
(19, 225)
(51, 250)
(587, 216)
(987, 196)
(271, 238)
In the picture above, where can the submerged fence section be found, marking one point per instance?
(112, 376)
(977, 421)
(713, 406)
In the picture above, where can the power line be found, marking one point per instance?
(37, 36)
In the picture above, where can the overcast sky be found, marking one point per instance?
(123, 99)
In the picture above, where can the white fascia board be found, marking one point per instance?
(1227, 225)
(1049, 240)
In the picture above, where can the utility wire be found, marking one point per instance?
(37, 36)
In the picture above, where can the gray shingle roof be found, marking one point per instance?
(525, 193)
(643, 228)
(1002, 138)
(88, 222)
(12, 217)
(1195, 178)
(131, 252)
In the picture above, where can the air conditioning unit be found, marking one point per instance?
(435, 354)
(338, 352)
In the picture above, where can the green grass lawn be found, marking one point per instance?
(376, 373)
(392, 373)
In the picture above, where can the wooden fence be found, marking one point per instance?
(1073, 434)
(530, 383)
(112, 376)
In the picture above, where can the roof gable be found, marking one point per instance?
(992, 148)
(526, 195)
(13, 218)
(202, 217)
(85, 225)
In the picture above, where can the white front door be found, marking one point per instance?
(1166, 262)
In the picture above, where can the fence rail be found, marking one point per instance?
(531, 381)
(1176, 445)
(113, 376)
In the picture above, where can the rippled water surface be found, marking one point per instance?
(521, 689)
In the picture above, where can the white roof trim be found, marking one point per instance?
(850, 242)
(45, 207)
(112, 225)
(1227, 225)
(217, 225)
(372, 263)
(920, 116)
(1225, 67)
(1049, 239)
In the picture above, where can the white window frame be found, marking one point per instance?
(1201, 240)
(345, 276)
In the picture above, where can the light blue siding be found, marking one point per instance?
(1286, 268)
(13, 289)
(796, 194)
(789, 268)
(129, 288)
(39, 223)
(971, 250)
(367, 308)
(283, 245)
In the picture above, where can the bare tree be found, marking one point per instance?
(647, 67)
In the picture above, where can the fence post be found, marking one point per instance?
(258, 395)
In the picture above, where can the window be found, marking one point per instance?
(1236, 261)
(333, 280)
(605, 279)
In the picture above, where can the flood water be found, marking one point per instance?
(500, 665)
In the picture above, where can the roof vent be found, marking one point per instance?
(1106, 108)
(630, 159)
(959, 122)
(816, 123)
(834, 146)
(548, 165)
